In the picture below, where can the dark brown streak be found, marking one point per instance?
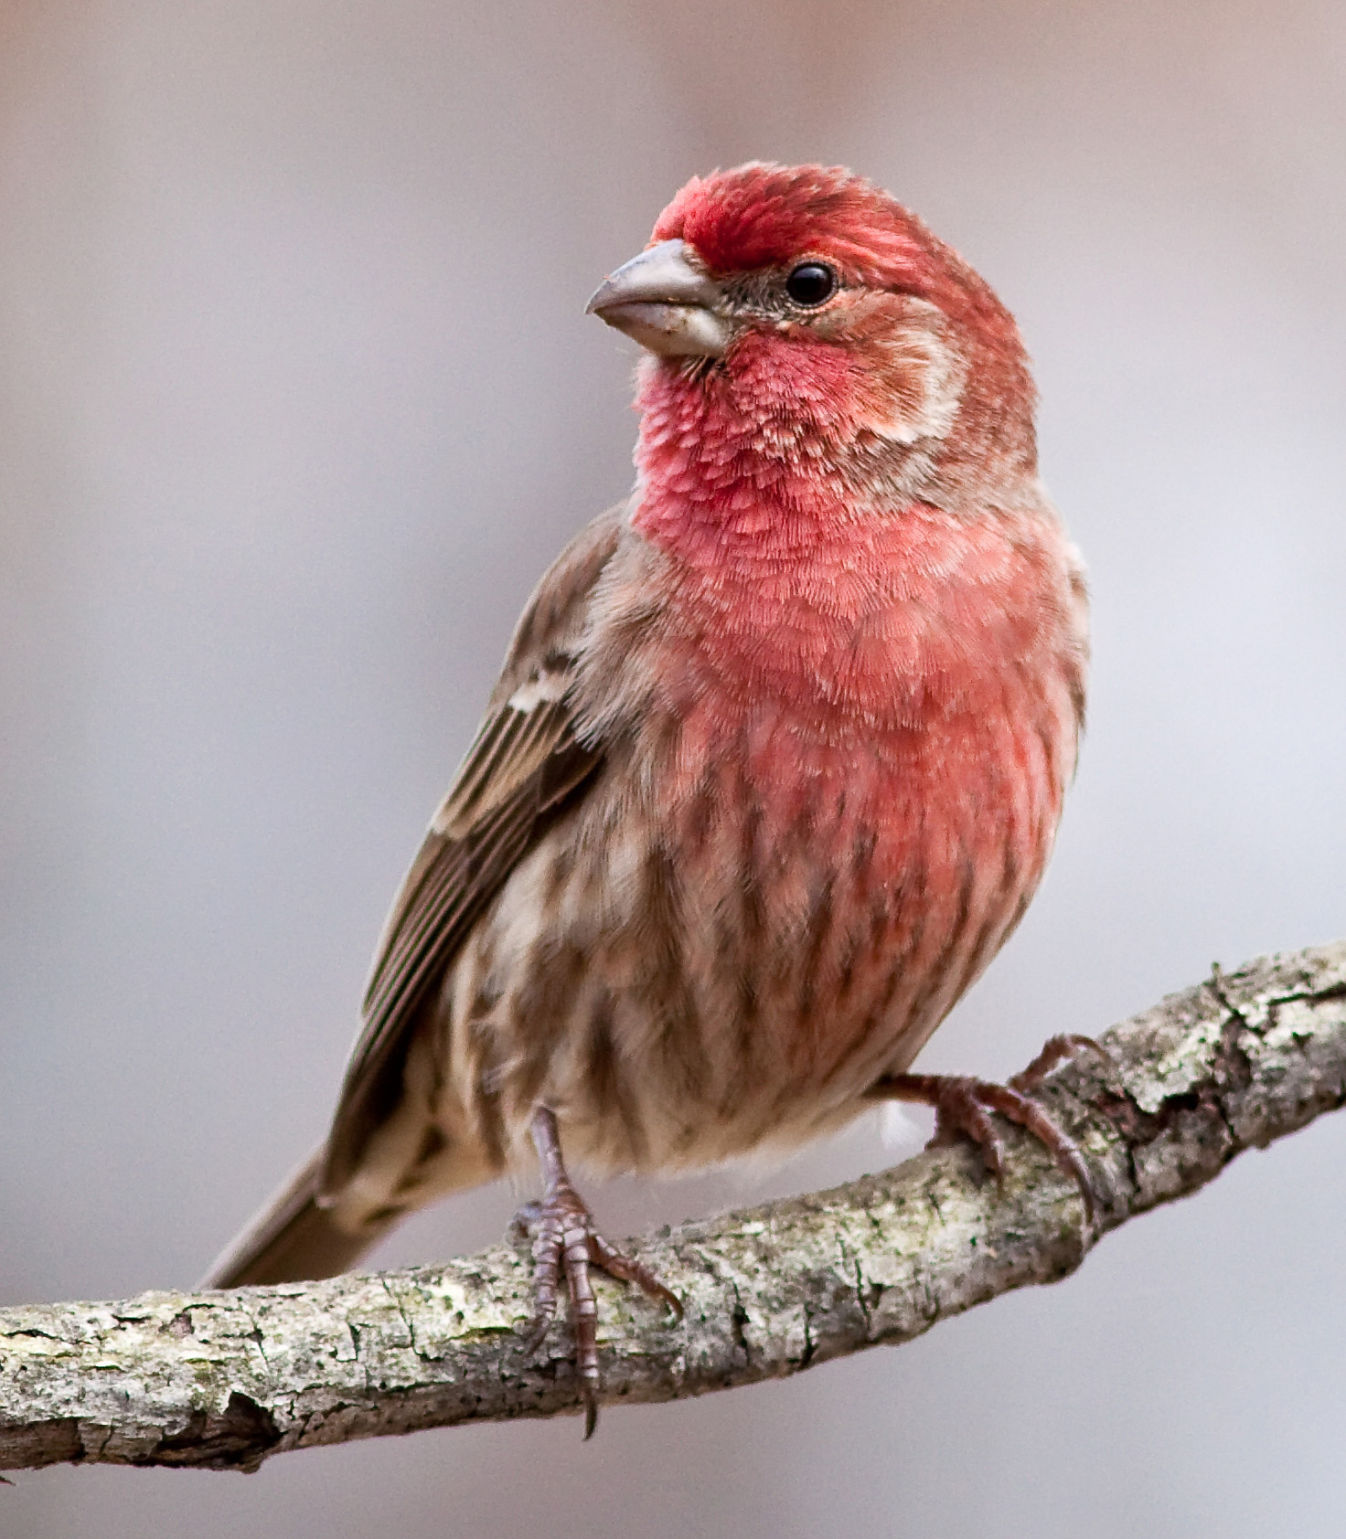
(433, 1143)
(535, 1024)
(486, 1111)
(681, 1043)
(912, 895)
(991, 934)
(751, 941)
(819, 930)
(605, 1080)
(936, 974)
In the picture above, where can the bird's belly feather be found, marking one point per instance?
(829, 901)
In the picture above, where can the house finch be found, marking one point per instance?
(772, 769)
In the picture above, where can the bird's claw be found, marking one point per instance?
(566, 1244)
(963, 1107)
(1055, 1050)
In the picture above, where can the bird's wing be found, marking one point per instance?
(525, 765)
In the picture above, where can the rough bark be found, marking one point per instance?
(225, 1379)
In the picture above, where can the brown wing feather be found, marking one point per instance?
(524, 768)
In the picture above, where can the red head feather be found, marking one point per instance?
(762, 215)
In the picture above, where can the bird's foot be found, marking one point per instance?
(963, 1107)
(567, 1244)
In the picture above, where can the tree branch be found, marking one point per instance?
(225, 1379)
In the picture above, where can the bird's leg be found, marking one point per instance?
(963, 1106)
(567, 1243)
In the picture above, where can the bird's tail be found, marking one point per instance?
(293, 1239)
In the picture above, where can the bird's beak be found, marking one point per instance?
(665, 303)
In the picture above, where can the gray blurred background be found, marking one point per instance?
(297, 399)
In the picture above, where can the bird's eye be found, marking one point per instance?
(811, 283)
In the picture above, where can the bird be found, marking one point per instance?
(772, 769)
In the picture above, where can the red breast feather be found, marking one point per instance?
(861, 689)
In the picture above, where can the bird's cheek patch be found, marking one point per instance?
(911, 384)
